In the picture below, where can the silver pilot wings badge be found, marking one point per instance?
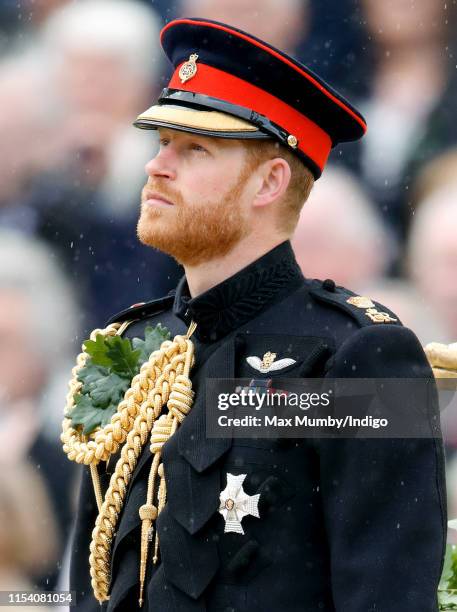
(268, 363)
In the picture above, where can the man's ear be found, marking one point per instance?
(273, 181)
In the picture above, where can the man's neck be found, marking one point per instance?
(209, 274)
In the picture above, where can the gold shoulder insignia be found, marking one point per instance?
(360, 301)
(371, 311)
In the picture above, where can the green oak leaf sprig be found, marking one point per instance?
(153, 338)
(447, 590)
(107, 374)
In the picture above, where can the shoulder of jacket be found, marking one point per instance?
(143, 309)
(360, 308)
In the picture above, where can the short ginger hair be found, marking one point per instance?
(301, 180)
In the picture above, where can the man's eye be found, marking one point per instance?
(164, 142)
(196, 147)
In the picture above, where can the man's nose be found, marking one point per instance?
(161, 165)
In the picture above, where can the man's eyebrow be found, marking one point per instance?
(210, 141)
(163, 131)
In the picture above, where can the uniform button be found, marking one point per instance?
(329, 285)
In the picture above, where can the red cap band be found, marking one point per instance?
(313, 141)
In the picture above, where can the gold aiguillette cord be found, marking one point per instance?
(179, 405)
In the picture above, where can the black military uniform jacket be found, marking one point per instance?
(352, 525)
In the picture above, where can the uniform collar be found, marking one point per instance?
(240, 297)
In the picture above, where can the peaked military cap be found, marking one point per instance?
(229, 84)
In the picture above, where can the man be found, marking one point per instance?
(348, 525)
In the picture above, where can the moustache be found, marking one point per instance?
(174, 197)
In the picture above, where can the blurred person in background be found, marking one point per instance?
(432, 254)
(432, 264)
(337, 45)
(411, 78)
(28, 532)
(29, 151)
(70, 185)
(340, 234)
(19, 22)
(40, 10)
(38, 321)
(438, 172)
(97, 49)
(410, 307)
(24, 151)
(282, 23)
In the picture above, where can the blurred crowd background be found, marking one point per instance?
(73, 77)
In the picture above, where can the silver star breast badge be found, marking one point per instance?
(236, 504)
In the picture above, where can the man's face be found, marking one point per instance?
(195, 204)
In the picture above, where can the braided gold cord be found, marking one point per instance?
(179, 405)
(161, 380)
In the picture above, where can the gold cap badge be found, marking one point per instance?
(189, 69)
